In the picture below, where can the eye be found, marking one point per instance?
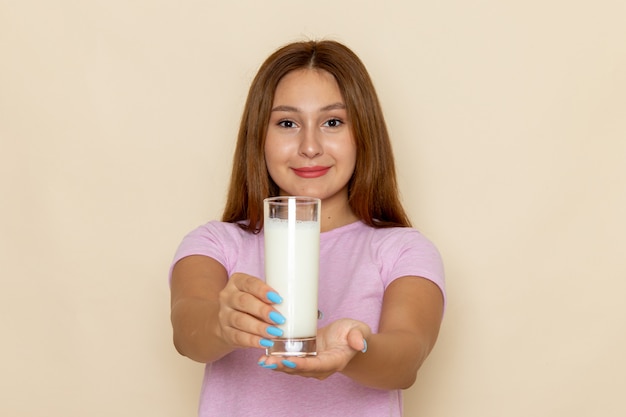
(333, 123)
(287, 124)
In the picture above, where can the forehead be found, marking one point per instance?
(307, 80)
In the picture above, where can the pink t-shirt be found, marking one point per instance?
(357, 263)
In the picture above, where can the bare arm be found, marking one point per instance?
(408, 329)
(409, 325)
(212, 315)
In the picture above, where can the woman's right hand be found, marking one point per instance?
(212, 314)
(246, 316)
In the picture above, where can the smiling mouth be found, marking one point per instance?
(311, 172)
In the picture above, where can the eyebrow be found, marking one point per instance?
(334, 106)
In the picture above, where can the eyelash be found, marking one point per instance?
(283, 123)
(335, 121)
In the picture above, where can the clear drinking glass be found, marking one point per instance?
(292, 248)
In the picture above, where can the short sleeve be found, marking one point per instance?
(411, 254)
(207, 240)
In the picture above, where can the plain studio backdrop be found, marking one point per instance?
(508, 120)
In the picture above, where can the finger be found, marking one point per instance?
(356, 340)
(242, 339)
(305, 367)
(266, 362)
(255, 286)
(236, 300)
(241, 323)
(237, 338)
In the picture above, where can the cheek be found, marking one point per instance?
(352, 154)
(346, 152)
(277, 151)
(351, 162)
(275, 157)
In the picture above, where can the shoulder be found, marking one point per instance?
(383, 237)
(218, 230)
(401, 251)
(405, 242)
(384, 244)
(218, 240)
(213, 238)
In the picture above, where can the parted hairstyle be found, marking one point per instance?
(372, 189)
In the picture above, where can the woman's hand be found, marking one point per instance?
(246, 316)
(337, 344)
(409, 325)
(212, 314)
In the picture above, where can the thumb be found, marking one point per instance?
(356, 340)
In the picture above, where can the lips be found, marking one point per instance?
(311, 172)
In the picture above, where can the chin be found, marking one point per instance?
(316, 192)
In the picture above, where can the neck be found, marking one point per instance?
(336, 215)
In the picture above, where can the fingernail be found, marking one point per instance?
(274, 298)
(274, 331)
(277, 317)
(266, 343)
(270, 366)
(364, 346)
(288, 364)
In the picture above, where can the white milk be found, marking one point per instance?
(292, 268)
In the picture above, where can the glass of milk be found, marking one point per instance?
(292, 249)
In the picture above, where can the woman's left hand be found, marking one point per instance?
(337, 344)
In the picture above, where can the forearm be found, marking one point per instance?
(391, 361)
(196, 330)
(408, 330)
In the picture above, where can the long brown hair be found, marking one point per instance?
(372, 190)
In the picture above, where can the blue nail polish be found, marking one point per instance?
(274, 331)
(277, 318)
(274, 298)
(365, 346)
(270, 366)
(266, 343)
(288, 364)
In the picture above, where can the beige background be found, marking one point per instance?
(117, 124)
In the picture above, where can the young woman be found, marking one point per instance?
(312, 126)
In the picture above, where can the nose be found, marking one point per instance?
(310, 144)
